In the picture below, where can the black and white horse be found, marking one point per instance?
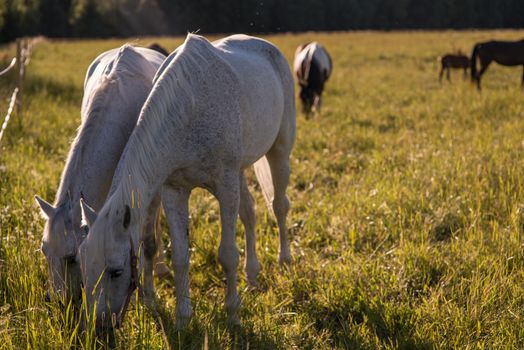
(312, 67)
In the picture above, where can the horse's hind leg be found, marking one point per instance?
(441, 74)
(522, 83)
(176, 208)
(278, 158)
(228, 195)
(247, 216)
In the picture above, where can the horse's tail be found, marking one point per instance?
(473, 62)
(263, 174)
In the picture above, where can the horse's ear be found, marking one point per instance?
(47, 210)
(88, 214)
(127, 217)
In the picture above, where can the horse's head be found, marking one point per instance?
(109, 264)
(60, 243)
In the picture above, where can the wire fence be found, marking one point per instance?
(23, 56)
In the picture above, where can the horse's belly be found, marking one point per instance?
(261, 118)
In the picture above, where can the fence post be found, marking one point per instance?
(20, 73)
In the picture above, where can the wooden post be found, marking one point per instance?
(20, 73)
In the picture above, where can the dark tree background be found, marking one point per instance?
(102, 18)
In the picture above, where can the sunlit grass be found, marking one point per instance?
(406, 223)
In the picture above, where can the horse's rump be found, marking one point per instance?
(310, 55)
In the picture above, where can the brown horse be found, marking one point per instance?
(506, 53)
(458, 60)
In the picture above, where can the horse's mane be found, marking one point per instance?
(127, 63)
(173, 94)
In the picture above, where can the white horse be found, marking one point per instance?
(116, 85)
(312, 66)
(215, 109)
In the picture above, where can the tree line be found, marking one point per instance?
(104, 18)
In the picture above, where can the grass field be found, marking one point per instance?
(407, 215)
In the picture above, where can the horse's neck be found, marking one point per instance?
(137, 189)
(87, 173)
(145, 165)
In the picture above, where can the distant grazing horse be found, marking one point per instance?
(506, 53)
(312, 66)
(214, 110)
(158, 48)
(116, 85)
(449, 61)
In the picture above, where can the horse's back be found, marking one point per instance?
(509, 53)
(455, 61)
(135, 59)
(116, 85)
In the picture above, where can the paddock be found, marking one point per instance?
(406, 225)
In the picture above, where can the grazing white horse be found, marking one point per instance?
(312, 66)
(215, 109)
(116, 85)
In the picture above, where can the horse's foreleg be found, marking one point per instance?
(441, 74)
(483, 66)
(175, 203)
(150, 248)
(316, 104)
(447, 74)
(248, 218)
(228, 195)
(160, 267)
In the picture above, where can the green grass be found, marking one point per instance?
(407, 212)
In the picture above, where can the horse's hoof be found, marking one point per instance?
(149, 301)
(182, 322)
(284, 260)
(233, 321)
(183, 316)
(253, 284)
(162, 271)
(251, 275)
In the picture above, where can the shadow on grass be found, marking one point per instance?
(199, 335)
(341, 319)
(352, 316)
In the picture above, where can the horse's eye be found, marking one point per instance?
(115, 273)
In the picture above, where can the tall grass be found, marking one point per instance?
(406, 225)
